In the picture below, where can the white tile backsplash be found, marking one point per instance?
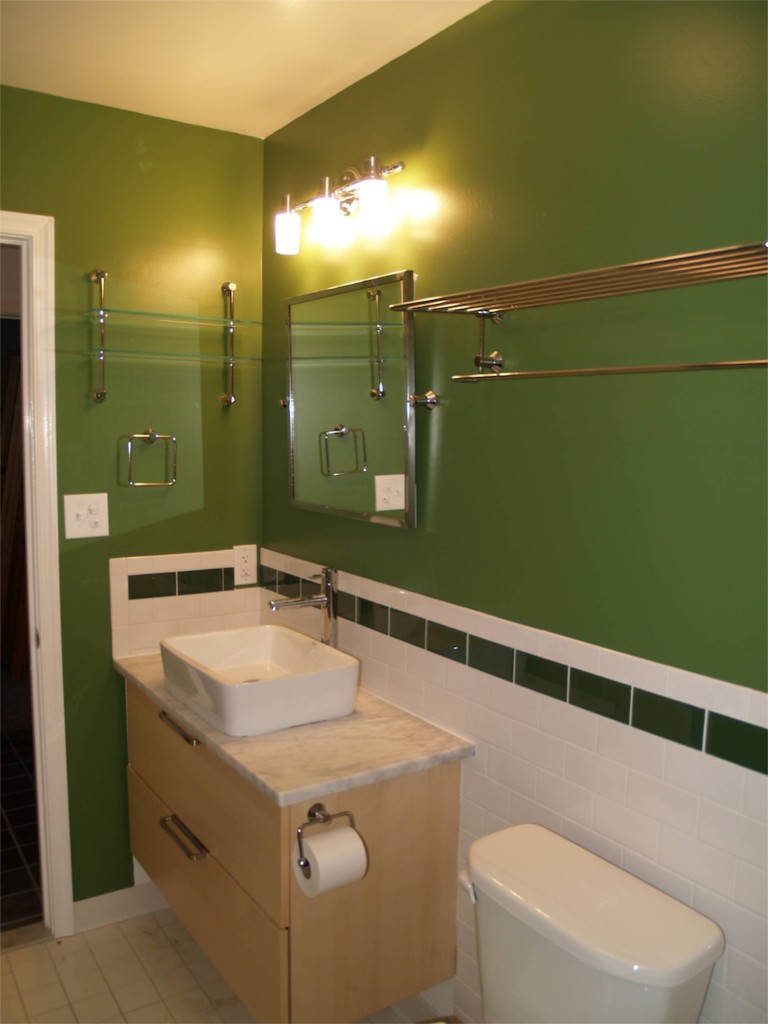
(687, 822)
(684, 821)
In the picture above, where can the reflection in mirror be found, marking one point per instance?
(350, 372)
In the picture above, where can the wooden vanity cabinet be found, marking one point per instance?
(220, 852)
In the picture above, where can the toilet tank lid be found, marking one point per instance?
(601, 914)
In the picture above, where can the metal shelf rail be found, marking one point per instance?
(704, 267)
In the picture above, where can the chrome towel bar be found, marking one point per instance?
(704, 267)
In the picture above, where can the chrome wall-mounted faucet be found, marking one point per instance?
(325, 600)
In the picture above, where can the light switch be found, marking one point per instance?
(86, 515)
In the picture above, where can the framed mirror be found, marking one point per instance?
(350, 375)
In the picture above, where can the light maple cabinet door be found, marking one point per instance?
(360, 948)
(249, 950)
(243, 829)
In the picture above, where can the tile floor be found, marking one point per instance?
(146, 969)
(20, 900)
(143, 969)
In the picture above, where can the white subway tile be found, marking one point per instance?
(521, 638)
(636, 831)
(757, 712)
(752, 888)
(445, 709)
(512, 772)
(707, 776)
(596, 773)
(755, 803)
(704, 692)
(357, 585)
(563, 797)
(517, 702)
(467, 682)
(631, 747)
(118, 567)
(145, 639)
(140, 565)
(668, 881)
(747, 977)
(592, 841)
(570, 652)
(705, 865)
(207, 624)
(570, 723)
(742, 837)
(743, 929)
(140, 611)
(430, 667)
(392, 597)
(485, 792)
(406, 691)
(390, 652)
(487, 725)
(522, 810)
(663, 802)
(185, 607)
(723, 1005)
(538, 748)
(648, 675)
(121, 642)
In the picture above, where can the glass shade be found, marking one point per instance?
(287, 233)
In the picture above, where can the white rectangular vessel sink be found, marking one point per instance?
(259, 679)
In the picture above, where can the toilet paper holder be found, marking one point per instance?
(317, 815)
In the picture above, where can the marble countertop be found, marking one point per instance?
(377, 741)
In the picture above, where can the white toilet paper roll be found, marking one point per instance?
(336, 857)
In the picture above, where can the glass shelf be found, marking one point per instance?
(139, 316)
(157, 356)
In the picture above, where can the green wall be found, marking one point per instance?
(625, 511)
(628, 512)
(171, 211)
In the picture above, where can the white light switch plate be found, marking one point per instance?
(86, 515)
(390, 492)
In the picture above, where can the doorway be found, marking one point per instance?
(36, 648)
(21, 902)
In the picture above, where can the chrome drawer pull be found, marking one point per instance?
(165, 717)
(171, 819)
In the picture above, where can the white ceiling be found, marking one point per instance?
(246, 66)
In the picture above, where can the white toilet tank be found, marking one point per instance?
(564, 936)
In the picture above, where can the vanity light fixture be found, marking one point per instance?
(358, 192)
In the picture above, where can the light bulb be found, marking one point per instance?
(287, 233)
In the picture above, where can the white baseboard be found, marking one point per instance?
(141, 898)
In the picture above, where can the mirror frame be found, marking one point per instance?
(406, 280)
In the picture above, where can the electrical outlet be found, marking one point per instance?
(245, 564)
(86, 515)
(390, 492)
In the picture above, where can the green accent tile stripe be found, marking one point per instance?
(410, 628)
(542, 675)
(603, 696)
(739, 742)
(373, 615)
(346, 606)
(671, 719)
(450, 643)
(153, 584)
(490, 657)
(200, 581)
(727, 738)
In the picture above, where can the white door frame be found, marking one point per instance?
(35, 237)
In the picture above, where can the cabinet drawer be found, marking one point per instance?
(249, 950)
(243, 829)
